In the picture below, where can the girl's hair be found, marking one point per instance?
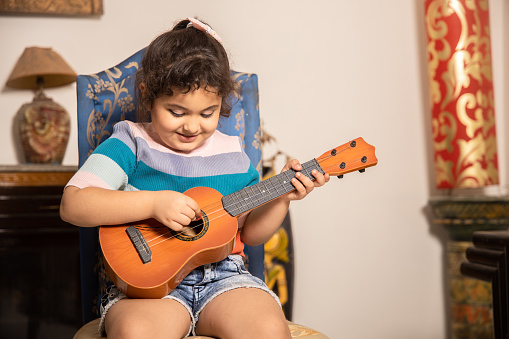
(183, 59)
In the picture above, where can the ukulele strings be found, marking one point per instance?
(212, 212)
(221, 208)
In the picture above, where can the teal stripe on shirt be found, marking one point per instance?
(146, 178)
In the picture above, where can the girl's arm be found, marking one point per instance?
(264, 221)
(92, 206)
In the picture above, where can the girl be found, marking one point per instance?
(183, 88)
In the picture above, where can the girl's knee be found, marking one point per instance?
(137, 329)
(146, 319)
(123, 328)
(272, 328)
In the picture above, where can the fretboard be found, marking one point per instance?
(256, 195)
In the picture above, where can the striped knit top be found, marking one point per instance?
(133, 159)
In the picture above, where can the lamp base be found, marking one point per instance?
(42, 127)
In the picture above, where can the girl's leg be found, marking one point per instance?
(147, 318)
(243, 313)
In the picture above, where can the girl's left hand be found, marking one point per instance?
(303, 185)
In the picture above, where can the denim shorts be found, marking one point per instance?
(199, 287)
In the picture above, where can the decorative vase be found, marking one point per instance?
(42, 128)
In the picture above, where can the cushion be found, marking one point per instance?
(89, 331)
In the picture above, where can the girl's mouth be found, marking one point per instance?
(187, 138)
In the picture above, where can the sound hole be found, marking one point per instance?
(195, 230)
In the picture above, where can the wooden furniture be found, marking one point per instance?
(39, 255)
(488, 260)
(471, 306)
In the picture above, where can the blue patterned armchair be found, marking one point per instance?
(107, 97)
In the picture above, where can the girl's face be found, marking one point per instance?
(184, 121)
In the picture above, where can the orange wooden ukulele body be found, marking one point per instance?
(173, 257)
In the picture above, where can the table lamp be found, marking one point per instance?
(42, 126)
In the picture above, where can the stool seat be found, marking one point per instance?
(90, 331)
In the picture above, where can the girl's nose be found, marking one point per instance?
(192, 125)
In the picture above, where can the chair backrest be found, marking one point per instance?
(106, 98)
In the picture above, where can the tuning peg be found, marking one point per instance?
(340, 176)
(362, 170)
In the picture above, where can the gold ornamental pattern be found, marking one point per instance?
(461, 93)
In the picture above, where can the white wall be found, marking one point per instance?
(368, 264)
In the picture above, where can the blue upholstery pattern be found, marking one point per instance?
(107, 97)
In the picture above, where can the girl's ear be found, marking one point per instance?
(143, 90)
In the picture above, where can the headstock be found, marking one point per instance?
(355, 155)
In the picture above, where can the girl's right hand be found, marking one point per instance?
(175, 210)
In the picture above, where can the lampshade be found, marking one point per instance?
(37, 62)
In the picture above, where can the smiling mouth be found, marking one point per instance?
(187, 138)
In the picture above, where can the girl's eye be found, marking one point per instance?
(175, 114)
(207, 114)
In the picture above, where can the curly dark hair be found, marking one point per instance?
(183, 59)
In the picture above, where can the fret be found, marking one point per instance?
(228, 206)
(247, 200)
(244, 201)
(306, 170)
(289, 175)
(240, 199)
(274, 194)
(259, 194)
(317, 166)
(252, 196)
(277, 185)
(309, 166)
(267, 191)
(274, 185)
(261, 197)
(233, 204)
(263, 191)
(240, 202)
(257, 197)
(280, 182)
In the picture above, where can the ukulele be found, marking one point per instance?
(148, 260)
